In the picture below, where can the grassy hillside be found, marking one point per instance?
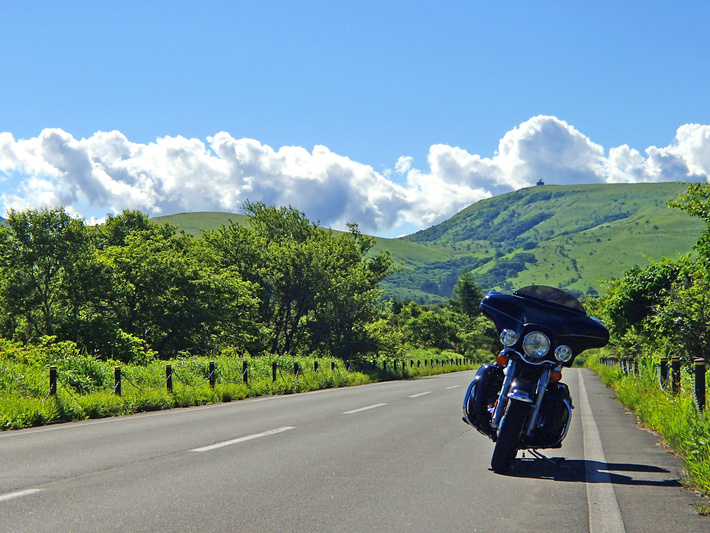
(570, 236)
(566, 236)
(195, 223)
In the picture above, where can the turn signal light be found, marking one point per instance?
(502, 359)
(556, 376)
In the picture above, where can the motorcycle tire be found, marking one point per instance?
(509, 437)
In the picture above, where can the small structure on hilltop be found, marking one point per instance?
(540, 182)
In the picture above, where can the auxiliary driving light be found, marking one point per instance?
(508, 337)
(563, 353)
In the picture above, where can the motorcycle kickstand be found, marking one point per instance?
(537, 455)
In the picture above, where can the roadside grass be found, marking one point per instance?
(85, 387)
(675, 418)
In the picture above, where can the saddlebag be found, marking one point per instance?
(480, 398)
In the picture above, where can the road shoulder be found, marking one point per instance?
(646, 476)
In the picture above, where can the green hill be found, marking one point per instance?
(570, 237)
(196, 223)
(567, 236)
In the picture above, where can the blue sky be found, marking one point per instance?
(394, 115)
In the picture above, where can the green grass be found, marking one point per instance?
(85, 385)
(195, 223)
(674, 418)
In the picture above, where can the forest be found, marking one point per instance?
(133, 291)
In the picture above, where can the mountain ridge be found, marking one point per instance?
(569, 236)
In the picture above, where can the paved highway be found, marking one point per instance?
(387, 457)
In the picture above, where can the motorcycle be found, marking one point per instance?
(520, 402)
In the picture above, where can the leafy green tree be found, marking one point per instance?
(467, 295)
(42, 258)
(349, 299)
(316, 290)
(631, 300)
(682, 318)
(117, 228)
(433, 329)
(168, 291)
(696, 202)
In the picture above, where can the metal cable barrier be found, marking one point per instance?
(672, 376)
(278, 371)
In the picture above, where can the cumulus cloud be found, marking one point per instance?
(108, 173)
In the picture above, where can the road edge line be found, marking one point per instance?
(604, 512)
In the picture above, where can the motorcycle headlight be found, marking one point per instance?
(563, 353)
(508, 337)
(536, 344)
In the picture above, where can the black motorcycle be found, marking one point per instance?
(520, 402)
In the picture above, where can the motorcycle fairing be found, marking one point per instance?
(562, 316)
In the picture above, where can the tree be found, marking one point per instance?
(42, 255)
(316, 290)
(169, 291)
(467, 295)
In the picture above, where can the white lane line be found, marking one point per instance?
(241, 439)
(375, 406)
(604, 513)
(18, 494)
(454, 387)
(420, 394)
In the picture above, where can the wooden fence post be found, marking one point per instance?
(675, 374)
(273, 370)
(700, 383)
(117, 380)
(213, 375)
(664, 372)
(169, 377)
(245, 372)
(52, 380)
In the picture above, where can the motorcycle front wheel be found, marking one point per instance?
(509, 437)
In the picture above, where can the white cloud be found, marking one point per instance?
(108, 173)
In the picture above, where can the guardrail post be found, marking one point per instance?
(169, 377)
(675, 374)
(384, 366)
(347, 365)
(245, 372)
(700, 383)
(664, 372)
(332, 366)
(273, 370)
(117, 380)
(52, 380)
(315, 367)
(296, 368)
(213, 375)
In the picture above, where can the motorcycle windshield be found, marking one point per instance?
(551, 295)
(552, 310)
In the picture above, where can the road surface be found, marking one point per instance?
(386, 457)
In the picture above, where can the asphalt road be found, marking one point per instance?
(387, 457)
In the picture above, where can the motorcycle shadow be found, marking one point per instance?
(585, 471)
